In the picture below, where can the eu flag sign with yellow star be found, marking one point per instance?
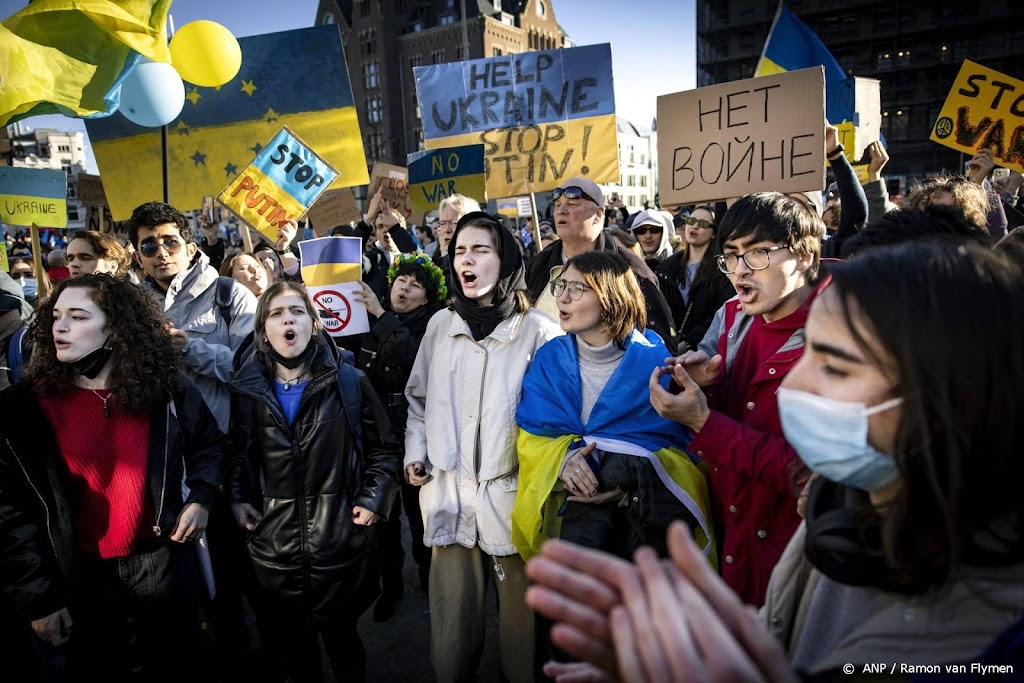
(293, 78)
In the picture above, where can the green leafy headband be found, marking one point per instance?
(433, 271)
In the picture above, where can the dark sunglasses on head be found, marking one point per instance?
(699, 222)
(150, 248)
(644, 229)
(571, 192)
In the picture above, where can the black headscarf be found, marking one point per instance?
(511, 278)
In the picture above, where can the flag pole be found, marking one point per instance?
(163, 135)
(764, 50)
(536, 219)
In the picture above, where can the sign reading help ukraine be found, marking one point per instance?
(541, 116)
(29, 195)
(984, 108)
(331, 270)
(284, 180)
(439, 173)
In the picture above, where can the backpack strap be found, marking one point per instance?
(16, 354)
(225, 287)
(352, 400)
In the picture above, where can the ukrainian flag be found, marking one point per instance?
(790, 46)
(294, 78)
(70, 56)
(622, 421)
(331, 260)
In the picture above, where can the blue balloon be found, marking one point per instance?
(152, 95)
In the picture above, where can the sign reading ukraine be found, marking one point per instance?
(284, 180)
(439, 173)
(542, 116)
(33, 195)
(331, 271)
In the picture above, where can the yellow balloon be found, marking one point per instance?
(205, 53)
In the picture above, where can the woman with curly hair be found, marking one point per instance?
(418, 290)
(109, 465)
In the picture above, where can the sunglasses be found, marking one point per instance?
(699, 222)
(151, 248)
(571, 192)
(644, 229)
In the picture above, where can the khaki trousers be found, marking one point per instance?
(458, 613)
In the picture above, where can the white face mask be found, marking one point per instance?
(831, 437)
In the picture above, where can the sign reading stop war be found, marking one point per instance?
(984, 108)
(331, 269)
(284, 180)
(541, 116)
(731, 139)
(29, 195)
(439, 173)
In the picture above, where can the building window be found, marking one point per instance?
(63, 148)
(437, 56)
(903, 57)
(446, 19)
(901, 124)
(541, 8)
(373, 109)
(415, 61)
(631, 180)
(328, 19)
(419, 138)
(497, 51)
(643, 181)
(642, 158)
(371, 78)
(458, 53)
(400, 6)
(368, 39)
(884, 60)
(418, 26)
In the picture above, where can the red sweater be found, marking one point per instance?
(108, 460)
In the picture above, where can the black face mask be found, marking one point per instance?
(91, 363)
(292, 363)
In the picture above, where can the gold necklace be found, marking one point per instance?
(106, 408)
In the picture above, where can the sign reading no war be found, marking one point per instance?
(541, 116)
(284, 180)
(439, 173)
(984, 109)
(29, 195)
(735, 138)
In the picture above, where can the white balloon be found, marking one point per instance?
(152, 95)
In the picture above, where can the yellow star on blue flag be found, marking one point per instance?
(226, 126)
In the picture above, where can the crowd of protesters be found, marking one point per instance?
(767, 438)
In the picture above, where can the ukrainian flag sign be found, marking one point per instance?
(284, 180)
(33, 195)
(293, 78)
(331, 270)
(439, 173)
(542, 116)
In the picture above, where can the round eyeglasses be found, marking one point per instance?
(576, 289)
(756, 259)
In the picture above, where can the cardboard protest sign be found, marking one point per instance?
(394, 180)
(284, 179)
(438, 173)
(542, 116)
(984, 108)
(331, 270)
(334, 208)
(29, 195)
(735, 138)
(524, 207)
(89, 190)
(862, 97)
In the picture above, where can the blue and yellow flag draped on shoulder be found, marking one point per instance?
(791, 45)
(621, 421)
(70, 56)
(294, 78)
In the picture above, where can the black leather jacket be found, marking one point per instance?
(37, 538)
(305, 479)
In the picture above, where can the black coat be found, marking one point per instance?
(693, 314)
(387, 354)
(659, 318)
(38, 550)
(305, 479)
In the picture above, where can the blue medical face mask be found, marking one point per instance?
(31, 288)
(831, 437)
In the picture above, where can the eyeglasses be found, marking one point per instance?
(644, 229)
(699, 222)
(756, 259)
(576, 289)
(571, 192)
(149, 248)
(448, 224)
